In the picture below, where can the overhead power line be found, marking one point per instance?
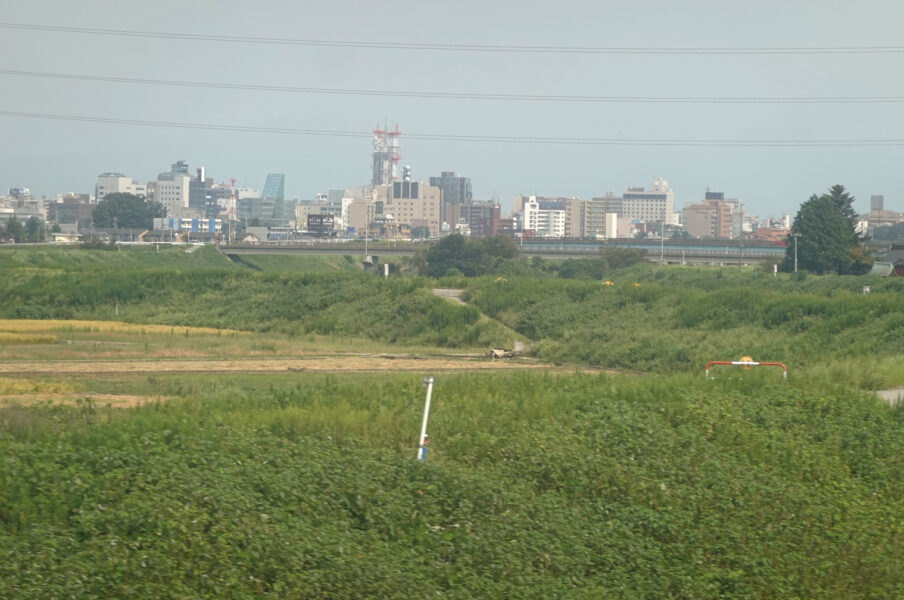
(426, 46)
(442, 137)
(471, 96)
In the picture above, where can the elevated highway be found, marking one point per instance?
(669, 251)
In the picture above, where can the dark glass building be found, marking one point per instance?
(454, 191)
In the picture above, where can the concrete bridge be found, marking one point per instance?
(669, 251)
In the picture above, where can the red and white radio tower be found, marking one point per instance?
(231, 211)
(386, 155)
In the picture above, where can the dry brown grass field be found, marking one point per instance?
(53, 360)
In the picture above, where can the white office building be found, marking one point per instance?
(117, 183)
(650, 206)
(543, 219)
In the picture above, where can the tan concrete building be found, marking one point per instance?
(882, 218)
(360, 213)
(711, 219)
(574, 217)
(412, 203)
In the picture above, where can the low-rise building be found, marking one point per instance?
(882, 218)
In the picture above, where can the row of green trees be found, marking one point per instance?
(456, 255)
(115, 210)
(32, 231)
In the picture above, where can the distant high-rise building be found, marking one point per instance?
(456, 191)
(482, 218)
(650, 206)
(412, 203)
(550, 217)
(595, 217)
(117, 183)
(217, 199)
(574, 217)
(716, 217)
(173, 192)
(269, 206)
(275, 186)
(197, 191)
(542, 217)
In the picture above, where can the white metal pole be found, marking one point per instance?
(795, 236)
(421, 445)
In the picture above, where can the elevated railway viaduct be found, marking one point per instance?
(669, 251)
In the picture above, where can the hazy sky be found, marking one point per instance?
(57, 156)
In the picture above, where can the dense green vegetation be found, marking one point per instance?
(677, 319)
(673, 319)
(126, 210)
(297, 263)
(458, 255)
(535, 486)
(203, 288)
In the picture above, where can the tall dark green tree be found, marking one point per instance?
(499, 247)
(34, 230)
(844, 202)
(15, 228)
(126, 210)
(456, 252)
(469, 257)
(826, 237)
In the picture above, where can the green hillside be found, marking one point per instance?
(677, 319)
(292, 295)
(75, 258)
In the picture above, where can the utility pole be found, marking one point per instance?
(367, 224)
(661, 243)
(795, 236)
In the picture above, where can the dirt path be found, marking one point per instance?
(521, 346)
(111, 400)
(318, 364)
(449, 293)
(894, 396)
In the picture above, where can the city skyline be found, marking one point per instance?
(52, 156)
(506, 203)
